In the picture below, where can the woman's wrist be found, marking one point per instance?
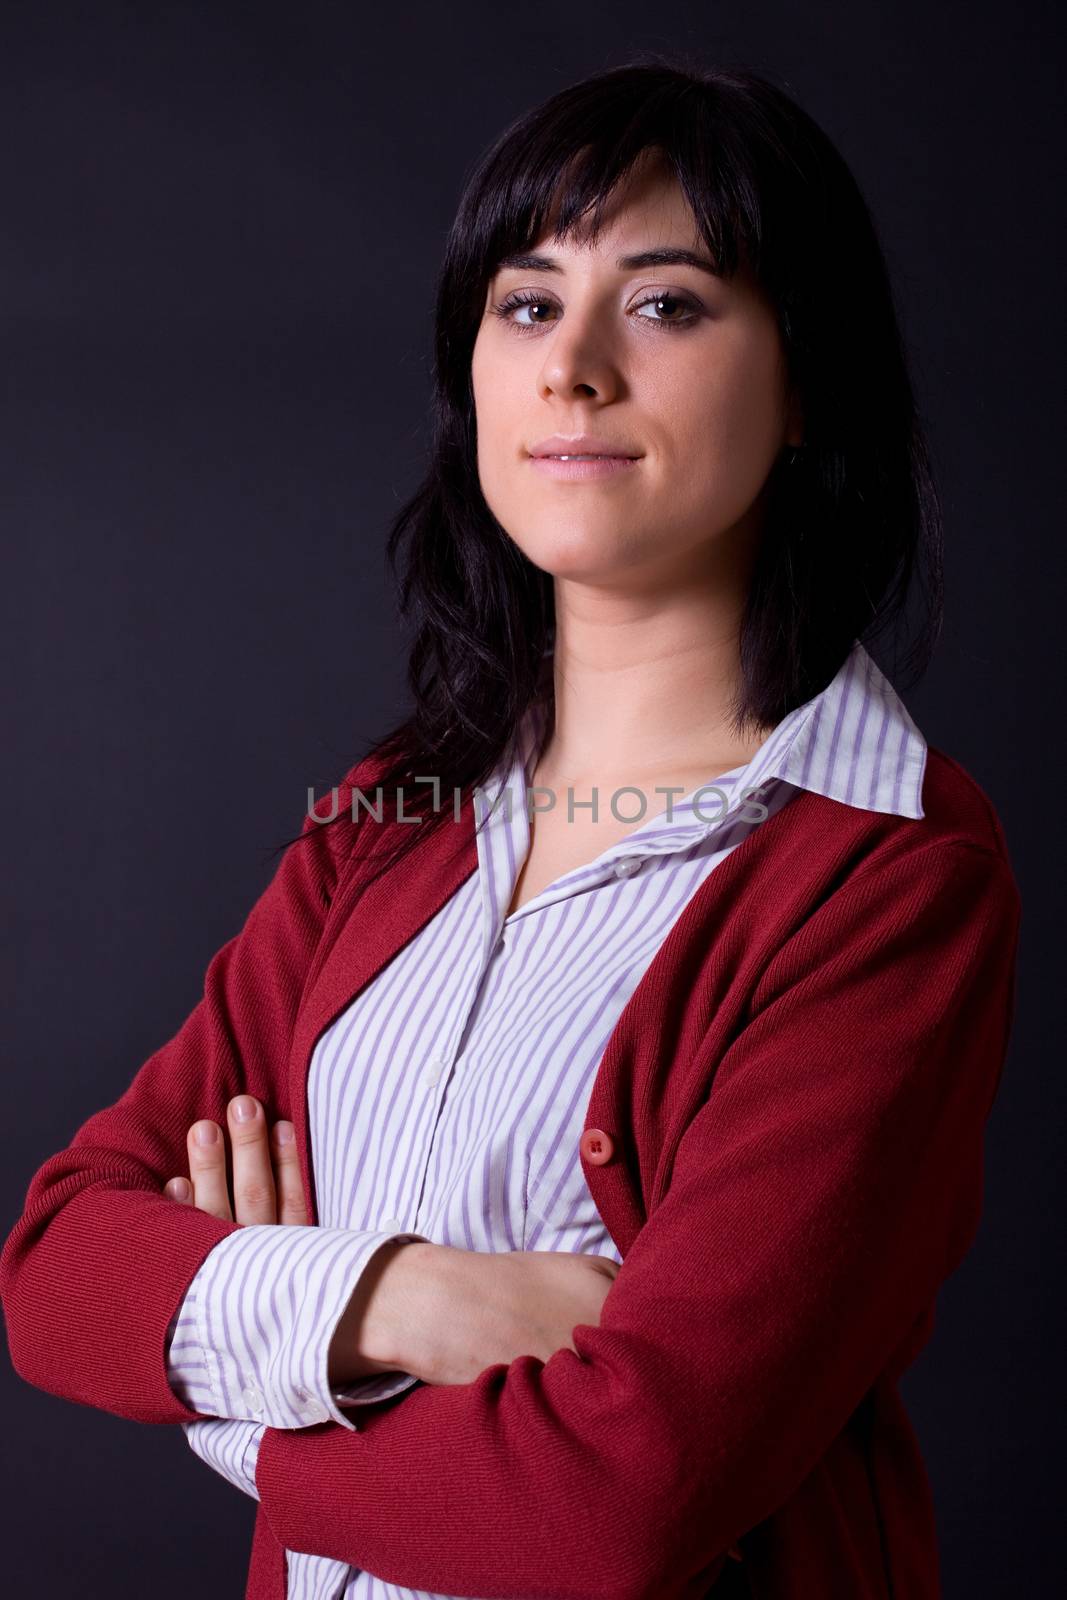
(386, 1325)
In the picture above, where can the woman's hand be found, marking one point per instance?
(440, 1313)
(451, 1313)
(266, 1169)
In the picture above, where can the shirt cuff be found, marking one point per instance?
(380, 1387)
(253, 1334)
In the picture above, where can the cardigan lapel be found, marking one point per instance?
(390, 912)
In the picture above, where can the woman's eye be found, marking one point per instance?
(672, 300)
(520, 303)
(667, 306)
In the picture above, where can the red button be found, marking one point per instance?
(596, 1146)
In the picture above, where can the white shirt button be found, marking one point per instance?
(253, 1395)
(432, 1073)
(393, 1224)
(627, 867)
(310, 1409)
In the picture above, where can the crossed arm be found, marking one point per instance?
(418, 1310)
(817, 1200)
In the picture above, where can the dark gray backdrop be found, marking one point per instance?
(219, 228)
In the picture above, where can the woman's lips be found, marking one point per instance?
(597, 467)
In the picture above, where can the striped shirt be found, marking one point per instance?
(447, 1101)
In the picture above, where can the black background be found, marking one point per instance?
(219, 232)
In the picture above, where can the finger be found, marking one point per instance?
(207, 1169)
(290, 1188)
(253, 1176)
(179, 1189)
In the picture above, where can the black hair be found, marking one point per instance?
(852, 518)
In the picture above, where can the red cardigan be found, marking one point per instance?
(788, 1155)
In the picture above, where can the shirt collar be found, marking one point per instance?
(854, 742)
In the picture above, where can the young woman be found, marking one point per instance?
(568, 1177)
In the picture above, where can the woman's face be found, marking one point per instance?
(692, 385)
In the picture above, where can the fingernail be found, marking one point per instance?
(284, 1132)
(206, 1132)
(177, 1188)
(244, 1108)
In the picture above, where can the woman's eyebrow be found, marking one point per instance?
(667, 256)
